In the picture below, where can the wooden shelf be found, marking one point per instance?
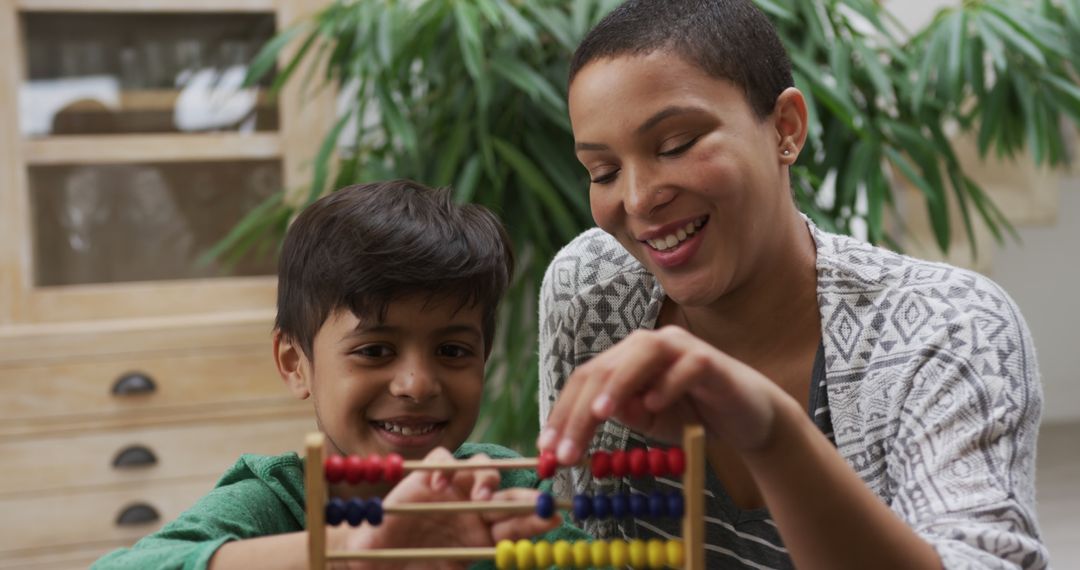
(127, 149)
(146, 100)
(146, 5)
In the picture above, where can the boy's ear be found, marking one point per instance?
(792, 124)
(292, 365)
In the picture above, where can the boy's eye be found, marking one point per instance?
(676, 151)
(373, 351)
(454, 351)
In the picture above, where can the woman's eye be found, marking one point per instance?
(373, 351)
(604, 178)
(454, 351)
(679, 149)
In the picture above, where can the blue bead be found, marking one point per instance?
(355, 512)
(582, 507)
(545, 506)
(374, 511)
(639, 506)
(675, 505)
(657, 504)
(619, 505)
(601, 507)
(335, 511)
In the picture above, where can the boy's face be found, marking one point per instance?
(405, 385)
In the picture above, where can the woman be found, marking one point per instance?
(705, 296)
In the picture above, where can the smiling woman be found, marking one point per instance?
(864, 409)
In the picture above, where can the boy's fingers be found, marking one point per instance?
(478, 484)
(522, 526)
(437, 479)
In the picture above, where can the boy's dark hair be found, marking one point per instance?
(364, 246)
(728, 39)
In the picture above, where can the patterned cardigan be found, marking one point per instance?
(931, 377)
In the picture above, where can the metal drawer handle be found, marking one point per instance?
(137, 514)
(134, 456)
(133, 383)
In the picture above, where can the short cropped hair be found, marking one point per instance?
(364, 246)
(728, 39)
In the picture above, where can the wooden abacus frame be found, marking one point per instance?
(693, 522)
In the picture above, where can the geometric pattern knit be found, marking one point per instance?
(931, 379)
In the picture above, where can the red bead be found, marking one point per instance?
(393, 468)
(639, 462)
(354, 469)
(546, 464)
(658, 462)
(676, 461)
(334, 468)
(601, 464)
(619, 465)
(373, 467)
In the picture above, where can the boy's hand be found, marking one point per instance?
(445, 529)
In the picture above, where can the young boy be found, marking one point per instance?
(386, 315)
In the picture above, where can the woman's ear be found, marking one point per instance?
(292, 365)
(790, 119)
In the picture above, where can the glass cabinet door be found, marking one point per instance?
(97, 79)
(96, 73)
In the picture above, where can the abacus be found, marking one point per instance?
(688, 553)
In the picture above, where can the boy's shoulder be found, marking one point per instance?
(492, 450)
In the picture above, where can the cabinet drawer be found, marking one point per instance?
(114, 459)
(37, 522)
(137, 384)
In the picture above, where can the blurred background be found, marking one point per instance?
(152, 152)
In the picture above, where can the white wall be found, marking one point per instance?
(1043, 276)
(1042, 273)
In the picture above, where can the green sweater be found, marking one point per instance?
(264, 495)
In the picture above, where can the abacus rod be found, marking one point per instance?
(468, 554)
(518, 463)
(470, 507)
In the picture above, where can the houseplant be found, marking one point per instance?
(471, 93)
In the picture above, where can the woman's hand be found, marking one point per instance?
(656, 381)
(446, 529)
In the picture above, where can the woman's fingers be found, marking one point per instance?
(610, 384)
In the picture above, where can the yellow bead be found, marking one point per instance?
(657, 553)
(599, 553)
(524, 551)
(504, 555)
(582, 551)
(618, 552)
(675, 553)
(563, 552)
(544, 557)
(639, 557)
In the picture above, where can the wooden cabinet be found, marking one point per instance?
(132, 372)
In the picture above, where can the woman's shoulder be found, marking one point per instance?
(595, 266)
(856, 274)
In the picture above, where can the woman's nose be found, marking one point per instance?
(416, 379)
(643, 195)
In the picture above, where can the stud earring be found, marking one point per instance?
(787, 152)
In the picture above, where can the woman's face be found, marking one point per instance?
(684, 174)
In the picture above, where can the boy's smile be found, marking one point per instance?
(406, 384)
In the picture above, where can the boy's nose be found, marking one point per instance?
(416, 380)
